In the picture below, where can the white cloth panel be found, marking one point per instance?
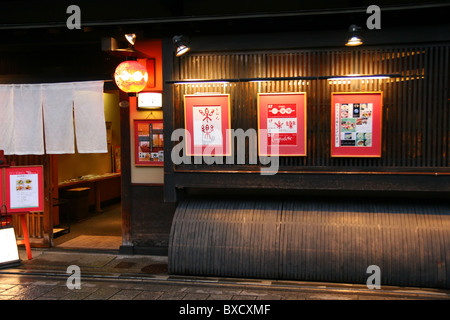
(89, 113)
(6, 119)
(58, 118)
(28, 124)
(26, 109)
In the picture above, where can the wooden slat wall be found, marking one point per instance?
(312, 240)
(416, 116)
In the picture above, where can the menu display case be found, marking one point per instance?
(149, 143)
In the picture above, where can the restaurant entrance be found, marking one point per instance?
(89, 192)
(89, 213)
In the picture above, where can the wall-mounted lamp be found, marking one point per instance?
(131, 38)
(354, 36)
(180, 44)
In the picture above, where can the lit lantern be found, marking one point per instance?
(131, 76)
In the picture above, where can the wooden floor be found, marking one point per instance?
(93, 242)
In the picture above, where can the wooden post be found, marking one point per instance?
(125, 161)
(168, 119)
(26, 238)
(48, 171)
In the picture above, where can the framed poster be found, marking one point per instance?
(24, 189)
(356, 124)
(282, 124)
(1, 186)
(149, 143)
(207, 123)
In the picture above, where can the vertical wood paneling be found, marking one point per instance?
(312, 240)
(416, 107)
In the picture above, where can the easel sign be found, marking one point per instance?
(24, 189)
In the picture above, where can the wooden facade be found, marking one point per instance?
(228, 237)
(415, 123)
(232, 221)
(310, 239)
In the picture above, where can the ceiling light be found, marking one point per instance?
(354, 36)
(131, 38)
(180, 44)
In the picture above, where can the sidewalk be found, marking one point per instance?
(109, 276)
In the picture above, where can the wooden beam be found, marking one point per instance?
(312, 181)
(125, 161)
(168, 120)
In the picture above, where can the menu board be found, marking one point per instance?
(24, 189)
(356, 129)
(149, 142)
(282, 124)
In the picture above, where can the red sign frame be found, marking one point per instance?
(38, 196)
(2, 170)
(153, 155)
(218, 106)
(350, 110)
(285, 111)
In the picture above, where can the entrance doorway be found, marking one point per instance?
(99, 231)
(88, 192)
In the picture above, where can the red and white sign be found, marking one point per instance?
(207, 120)
(282, 124)
(24, 189)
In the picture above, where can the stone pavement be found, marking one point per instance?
(109, 276)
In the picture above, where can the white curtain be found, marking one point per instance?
(58, 118)
(6, 119)
(29, 110)
(90, 123)
(28, 124)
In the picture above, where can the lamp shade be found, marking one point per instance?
(180, 45)
(354, 36)
(131, 76)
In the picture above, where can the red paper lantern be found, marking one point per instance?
(131, 76)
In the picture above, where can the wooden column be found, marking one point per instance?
(49, 161)
(125, 162)
(168, 109)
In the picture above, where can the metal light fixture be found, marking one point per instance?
(130, 52)
(130, 75)
(131, 38)
(180, 44)
(354, 36)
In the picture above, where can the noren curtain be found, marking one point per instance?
(39, 118)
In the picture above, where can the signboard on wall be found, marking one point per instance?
(149, 142)
(356, 124)
(282, 124)
(24, 189)
(207, 123)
